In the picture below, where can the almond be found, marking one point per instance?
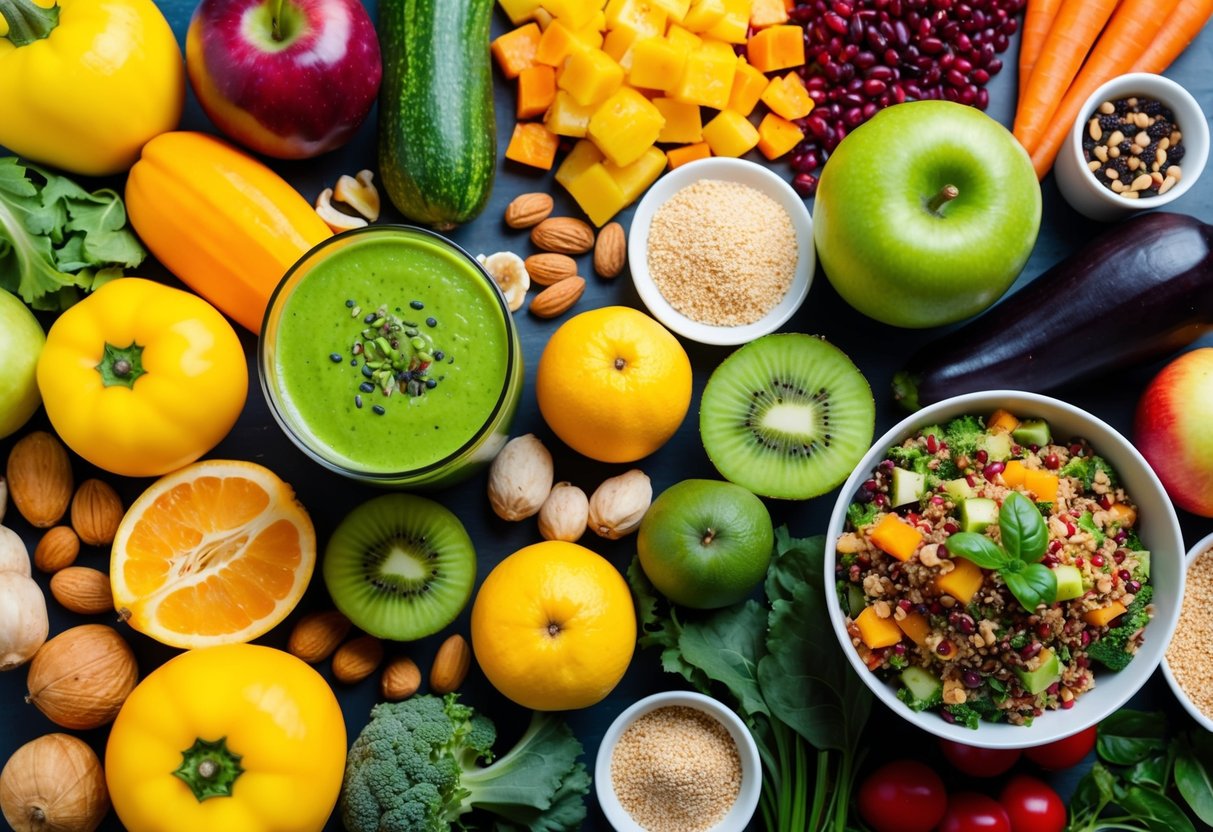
(83, 590)
(400, 679)
(528, 210)
(317, 635)
(549, 267)
(611, 250)
(40, 478)
(57, 549)
(357, 659)
(558, 298)
(96, 512)
(564, 235)
(451, 665)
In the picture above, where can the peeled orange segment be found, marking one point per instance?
(216, 553)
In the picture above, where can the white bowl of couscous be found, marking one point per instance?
(678, 761)
(1188, 666)
(721, 251)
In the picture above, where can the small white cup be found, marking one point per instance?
(1202, 719)
(1090, 197)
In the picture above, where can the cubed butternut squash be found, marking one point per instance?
(877, 632)
(916, 626)
(597, 193)
(656, 64)
(1101, 616)
(591, 34)
(768, 13)
(536, 91)
(707, 76)
(618, 44)
(1125, 516)
(1042, 484)
(730, 134)
(776, 48)
(1001, 421)
(787, 97)
(748, 84)
(583, 155)
(895, 536)
(1014, 474)
(683, 122)
(962, 582)
(675, 10)
(516, 49)
(645, 17)
(518, 11)
(679, 156)
(533, 145)
(590, 76)
(556, 43)
(776, 136)
(703, 15)
(735, 24)
(576, 14)
(634, 179)
(683, 38)
(625, 125)
(565, 117)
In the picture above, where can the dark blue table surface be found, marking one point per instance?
(877, 349)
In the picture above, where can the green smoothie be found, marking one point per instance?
(390, 353)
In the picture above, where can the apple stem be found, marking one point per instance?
(946, 194)
(276, 21)
(27, 21)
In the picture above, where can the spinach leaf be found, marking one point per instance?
(979, 549)
(727, 646)
(1024, 534)
(1127, 737)
(795, 561)
(1194, 774)
(1151, 773)
(1157, 812)
(1032, 584)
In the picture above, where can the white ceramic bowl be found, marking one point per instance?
(1158, 528)
(1205, 544)
(728, 170)
(751, 767)
(1086, 194)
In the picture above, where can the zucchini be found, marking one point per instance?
(1138, 292)
(437, 131)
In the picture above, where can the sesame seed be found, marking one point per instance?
(1188, 655)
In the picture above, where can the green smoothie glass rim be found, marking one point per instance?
(272, 311)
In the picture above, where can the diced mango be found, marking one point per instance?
(730, 134)
(536, 91)
(1014, 474)
(1101, 616)
(1043, 484)
(590, 76)
(533, 145)
(683, 122)
(916, 626)
(591, 35)
(518, 11)
(656, 64)
(703, 15)
(787, 97)
(583, 155)
(748, 84)
(597, 194)
(634, 179)
(556, 43)
(576, 14)
(683, 38)
(565, 117)
(1124, 516)
(618, 44)
(895, 536)
(625, 125)
(877, 632)
(735, 24)
(776, 48)
(515, 50)
(679, 156)
(544, 18)
(962, 582)
(675, 10)
(768, 13)
(645, 17)
(776, 136)
(1001, 421)
(707, 77)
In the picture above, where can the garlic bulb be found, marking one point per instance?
(14, 557)
(23, 620)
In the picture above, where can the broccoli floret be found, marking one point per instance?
(861, 515)
(1087, 524)
(416, 767)
(1111, 649)
(963, 434)
(1085, 468)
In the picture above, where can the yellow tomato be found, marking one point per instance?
(140, 378)
(280, 737)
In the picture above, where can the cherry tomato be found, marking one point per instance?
(978, 762)
(973, 812)
(902, 796)
(1032, 805)
(1064, 753)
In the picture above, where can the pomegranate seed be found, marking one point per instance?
(1105, 502)
(1071, 529)
(971, 679)
(1097, 560)
(1042, 630)
(1079, 562)
(1124, 574)
(1052, 462)
(1050, 560)
(905, 604)
(899, 649)
(805, 184)
(1067, 704)
(1121, 536)
(936, 500)
(944, 648)
(982, 456)
(932, 443)
(842, 9)
(1133, 586)
(1119, 556)
(1055, 546)
(995, 468)
(1053, 689)
(1030, 650)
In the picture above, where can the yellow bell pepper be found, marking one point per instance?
(140, 378)
(222, 222)
(86, 83)
(239, 738)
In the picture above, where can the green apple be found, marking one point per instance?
(926, 214)
(705, 543)
(21, 340)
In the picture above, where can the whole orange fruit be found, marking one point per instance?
(553, 626)
(613, 384)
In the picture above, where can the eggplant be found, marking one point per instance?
(1140, 291)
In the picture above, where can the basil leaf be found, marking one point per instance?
(1033, 584)
(1127, 737)
(1024, 534)
(1091, 795)
(1150, 773)
(1156, 811)
(1194, 777)
(979, 549)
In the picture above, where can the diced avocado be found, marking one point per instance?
(1032, 432)
(922, 685)
(976, 513)
(1069, 582)
(996, 445)
(908, 487)
(1142, 572)
(1048, 672)
(855, 600)
(959, 489)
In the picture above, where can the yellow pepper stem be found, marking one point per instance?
(27, 21)
(209, 768)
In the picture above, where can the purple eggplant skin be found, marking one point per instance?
(1140, 291)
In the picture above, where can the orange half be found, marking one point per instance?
(216, 553)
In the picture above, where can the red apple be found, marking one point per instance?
(1171, 430)
(287, 78)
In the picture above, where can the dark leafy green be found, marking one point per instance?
(1194, 774)
(1156, 811)
(1127, 737)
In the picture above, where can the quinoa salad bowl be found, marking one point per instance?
(1009, 570)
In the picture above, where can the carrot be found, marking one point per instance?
(1036, 22)
(1128, 35)
(1184, 24)
(1074, 30)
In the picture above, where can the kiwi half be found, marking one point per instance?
(400, 567)
(787, 416)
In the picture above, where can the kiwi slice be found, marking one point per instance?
(787, 416)
(401, 567)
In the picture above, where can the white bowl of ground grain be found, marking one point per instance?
(678, 762)
(721, 251)
(1188, 665)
